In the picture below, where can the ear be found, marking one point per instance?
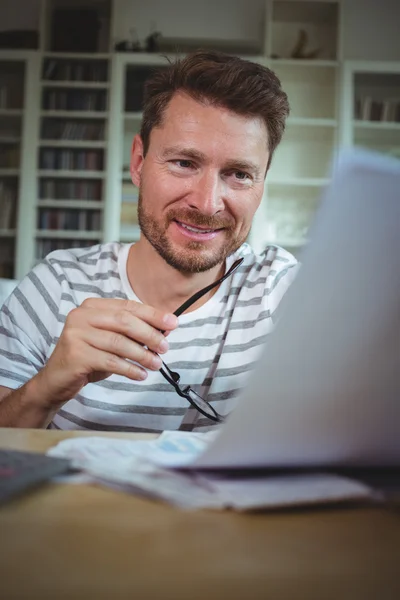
(137, 159)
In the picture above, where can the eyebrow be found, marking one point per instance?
(194, 154)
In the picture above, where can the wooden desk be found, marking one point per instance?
(83, 542)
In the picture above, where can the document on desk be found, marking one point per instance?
(144, 468)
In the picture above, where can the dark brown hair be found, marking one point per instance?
(242, 86)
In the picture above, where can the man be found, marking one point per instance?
(82, 334)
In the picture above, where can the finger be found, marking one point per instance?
(125, 323)
(111, 363)
(119, 345)
(153, 316)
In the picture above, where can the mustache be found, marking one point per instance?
(194, 218)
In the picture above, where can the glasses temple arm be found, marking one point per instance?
(201, 293)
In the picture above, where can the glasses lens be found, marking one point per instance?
(203, 406)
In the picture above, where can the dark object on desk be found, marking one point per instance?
(20, 471)
(75, 30)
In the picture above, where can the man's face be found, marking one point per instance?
(200, 183)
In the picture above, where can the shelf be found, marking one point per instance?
(380, 125)
(145, 59)
(96, 85)
(10, 140)
(9, 172)
(79, 204)
(133, 116)
(299, 181)
(299, 62)
(311, 122)
(75, 114)
(11, 112)
(72, 143)
(7, 233)
(73, 234)
(79, 55)
(72, 174)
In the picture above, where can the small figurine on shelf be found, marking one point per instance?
(131, 45)
(299, 50)
(153, 42)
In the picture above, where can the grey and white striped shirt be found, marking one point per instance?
(214, 348)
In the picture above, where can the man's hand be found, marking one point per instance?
(102, 337)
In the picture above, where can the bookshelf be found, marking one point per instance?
(72, 151)
(65, 145)
(303, 46)
(13, 94)
(371, 106)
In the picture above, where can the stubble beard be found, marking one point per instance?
(193, 258)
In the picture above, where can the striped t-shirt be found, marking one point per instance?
(214, 347)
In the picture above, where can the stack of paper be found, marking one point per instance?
(150, 468)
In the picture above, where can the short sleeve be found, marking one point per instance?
(28, 322)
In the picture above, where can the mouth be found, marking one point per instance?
(196, 232)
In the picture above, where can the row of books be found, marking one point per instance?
(11, 96)
(67, 189)
(81, 160)
(8, 206)
(370, 109)
(71, 220)
(53, 129)
(9, 156)
(7, 258)
(44, 247)
(75, 100)
(57, 70)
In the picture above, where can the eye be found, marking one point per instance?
(241, 175)
(183, 163)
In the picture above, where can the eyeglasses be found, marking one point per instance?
(173, 377)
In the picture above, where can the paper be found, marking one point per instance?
(140, 467)
(171, 448)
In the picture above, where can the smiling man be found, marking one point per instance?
(80, 337)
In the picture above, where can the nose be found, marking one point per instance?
(208, 194)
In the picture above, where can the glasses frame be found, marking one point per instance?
(173, 377)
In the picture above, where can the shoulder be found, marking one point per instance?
(91, 261)
(265, 277)
(273, 260)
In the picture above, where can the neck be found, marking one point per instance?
(159, 285)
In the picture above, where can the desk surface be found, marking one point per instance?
(79, 541)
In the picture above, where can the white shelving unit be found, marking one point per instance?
(52, 182)
(301, 166)
(16, 87)
(371, 106)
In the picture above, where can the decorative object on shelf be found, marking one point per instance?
(153, 42)
(131, 45)
(300, 48)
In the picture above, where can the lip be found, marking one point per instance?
(202, 237)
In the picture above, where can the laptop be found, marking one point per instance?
(326, 390)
